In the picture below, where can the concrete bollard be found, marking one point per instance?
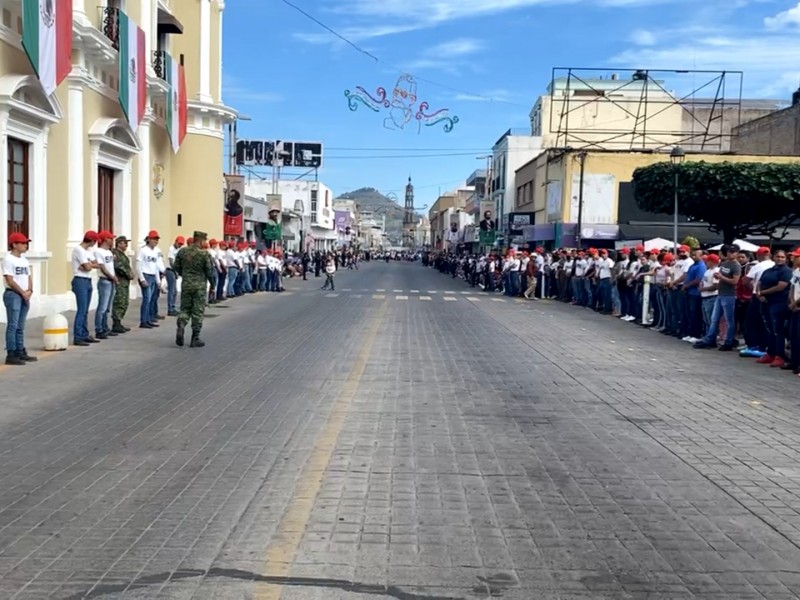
(56, 333)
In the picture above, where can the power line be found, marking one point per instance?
(396, 156)
(395, 67)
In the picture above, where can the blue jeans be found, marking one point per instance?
(221, 280)
(145, 314)
(777, 339)
(233, 274)
(82, 288)
(262, 280)
(172, 290)
(105, 296)
(154, 300)
(604, 289)
(725, 305)
(16, 313)
(708, 311)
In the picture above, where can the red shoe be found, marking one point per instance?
(765, 360)
(777, 363)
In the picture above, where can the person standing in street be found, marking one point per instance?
(122, 295)
(17, 298)
(172, 278)
(306, 261)
(147, 268)
(83, 262)
(195, 266)
(106, 284)
(330, 270)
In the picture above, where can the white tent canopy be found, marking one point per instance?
(743, 245)
(658, 244)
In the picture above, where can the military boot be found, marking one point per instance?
(117, 326)
(13, 359)
(23, 354)
(196, 341)
(179, 335)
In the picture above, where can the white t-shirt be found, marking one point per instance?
(106, 258)
(580, 267)
(171, 254)
(160, 260)
(231, 259)
(758, 270)
(262, 262)
(708, 280)
(18, 268)
(81, 256)
(604, 266)
(147, 261)
(796, 285)
(682, 267)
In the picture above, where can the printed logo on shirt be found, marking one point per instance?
(21, 271)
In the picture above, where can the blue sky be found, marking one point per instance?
(485, 60)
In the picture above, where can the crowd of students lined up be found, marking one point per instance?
(727, 300)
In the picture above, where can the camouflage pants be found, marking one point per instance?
(121, 300)
(193, 306)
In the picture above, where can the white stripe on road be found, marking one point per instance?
(498, 300)
(398, 291)
(347, 290)
(465, 293)
(401, 297)
(450, 299)
(331, 295)
(424, 297)
(380, 290)
(449, 292)
(473, 299)
(415, 291)
(432, 292)
(378, 297)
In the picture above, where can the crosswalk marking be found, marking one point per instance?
(473, 299)
(450, 299)
(364, 289)
(398, 291)
(380, 290)
(498, 300)
(401, 297)
(378, 297)
(331, 295)
(347, 290)
(432, 292)
(424, 297)
(449, 292)
(519, 301)
(415, 291)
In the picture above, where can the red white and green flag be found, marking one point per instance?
(47, 39)
(132, 70)
(177, 106)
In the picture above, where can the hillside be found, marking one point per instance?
(369, 198)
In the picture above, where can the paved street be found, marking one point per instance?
(403, 437)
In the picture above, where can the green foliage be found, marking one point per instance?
(692, 242)
(735, 199)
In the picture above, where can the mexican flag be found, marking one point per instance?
(132, 71)
(47, 39)
(177, 108)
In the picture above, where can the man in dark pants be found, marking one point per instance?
(306, 261)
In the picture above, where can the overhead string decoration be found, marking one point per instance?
(403, 110)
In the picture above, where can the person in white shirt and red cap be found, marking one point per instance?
(17, 294)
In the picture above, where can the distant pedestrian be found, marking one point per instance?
(195, 266)
(147, 267)
(17, 298)
(330, 270)
(106, 284)
(122, 295)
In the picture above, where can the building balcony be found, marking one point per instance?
(110, 24)
(160, 62)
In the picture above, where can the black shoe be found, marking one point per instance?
(82, 343)
(726, 347)
(110, 333)
(173, 313)
(703, 346)
(160, 317)
(92, 340)
(788, 367)
(100, 335)
(127, 329)
(23, 354)
(145, 326)
(179, 335)
(13, 359)
(154, 324)
(196, 341)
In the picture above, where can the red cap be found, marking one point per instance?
(91, 236)
(180, 240)
(592, 250)
(654, 251)
(223, 245)
(212, 242)
(763, 250)
(624, 251)
(105, 235)
(18, 238)
(540, 250)
(639, 248)
(153, 235)
(668, 257)
(713, 258)
(796, 252)
(252, 244)
(683, 248)
(191, 241)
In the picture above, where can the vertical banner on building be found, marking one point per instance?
(233, 225)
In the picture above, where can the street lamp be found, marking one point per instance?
(676, 157)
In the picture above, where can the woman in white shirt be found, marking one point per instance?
(17, 298)
(83, 263)
(709, 288)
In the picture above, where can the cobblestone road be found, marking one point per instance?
(402, 437)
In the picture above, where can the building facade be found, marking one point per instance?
(777, 133)
(509, 153)
(73, 160)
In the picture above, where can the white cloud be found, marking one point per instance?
(234, 89)
(448, 56)
(488, 96)
(642, 37)
(787, 18)
(456, 48)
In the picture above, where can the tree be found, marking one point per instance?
(735, 199)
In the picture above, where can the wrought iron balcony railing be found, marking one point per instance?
(111, 25)
(160, 60)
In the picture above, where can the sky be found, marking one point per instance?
(485, 61)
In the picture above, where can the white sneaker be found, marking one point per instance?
(629, 318)
(688, 338)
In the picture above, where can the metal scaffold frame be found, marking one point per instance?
(710, 133)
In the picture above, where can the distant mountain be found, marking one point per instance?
(368, 198)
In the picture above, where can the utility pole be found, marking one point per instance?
(582, 158)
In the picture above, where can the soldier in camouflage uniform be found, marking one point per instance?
(124, 273)
(194, 265)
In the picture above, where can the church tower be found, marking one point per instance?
(408, 216)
